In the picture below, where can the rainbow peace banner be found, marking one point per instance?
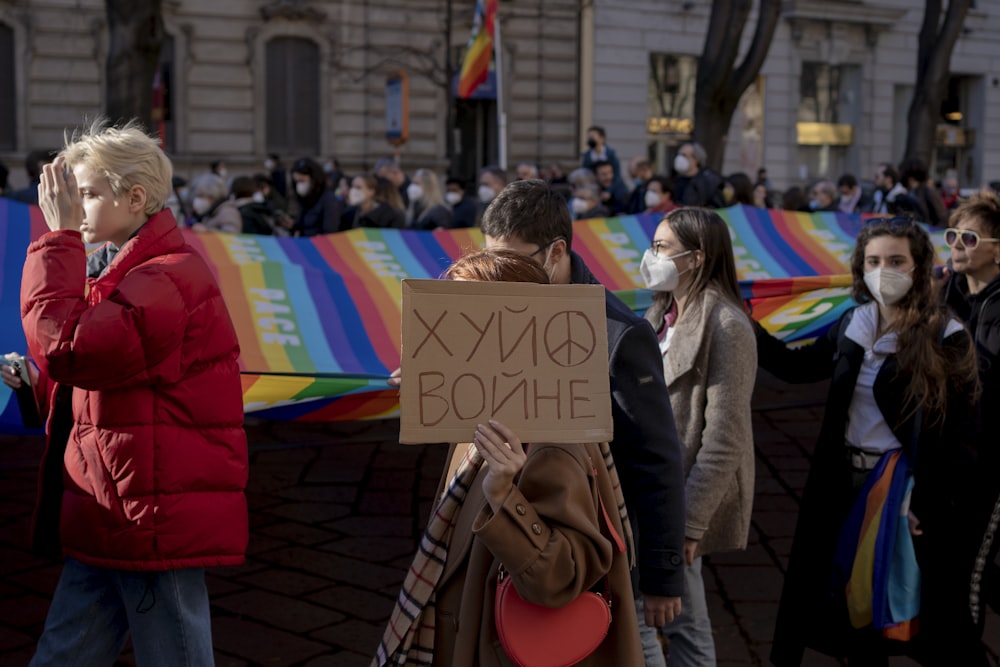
(319, 319)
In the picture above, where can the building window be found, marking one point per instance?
(8, 108)
(293, 95)
(829, 111)
(670, 105)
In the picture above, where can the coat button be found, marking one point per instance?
(520, 509)
(675, 560)
(536, 529)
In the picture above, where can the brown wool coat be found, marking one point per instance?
(550, 539)
(710, 370)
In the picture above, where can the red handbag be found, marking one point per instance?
(537, 636)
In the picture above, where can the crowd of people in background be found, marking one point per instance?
(312, 198)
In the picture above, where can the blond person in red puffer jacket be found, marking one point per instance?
(139, 383)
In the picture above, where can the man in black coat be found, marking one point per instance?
(530, 218)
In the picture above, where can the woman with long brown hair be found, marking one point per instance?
(709, 365)
(881, 558)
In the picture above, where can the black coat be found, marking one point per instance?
(646, 448)
(813, 614)
(436, 216)
(321, 216)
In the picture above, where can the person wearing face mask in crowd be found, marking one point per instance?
(463, 206)
(278, 174)
(659, 197)
(599, 151)
(586, 203)
(319, 209)
(641, 170)
(492, 180)
(710, 365)
(427, 209)
(823, 197)
(374, 202)
(257, 215)
(218, 167)
(696, 184)
(178, 199)
(213, 210)
(887, 509)
(852, 198)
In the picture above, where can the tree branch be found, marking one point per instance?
(767, 23)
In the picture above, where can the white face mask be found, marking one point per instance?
(259, 197)
(414, 192)
(653, 199)
(549, 271)
(578, 206)
(201, 205)
(660, 273)
(681, 164)
(303, 188)
(453, 197)
(888, 286)
(269, 165)
(222, 173)
(356, 196)
(486, 194)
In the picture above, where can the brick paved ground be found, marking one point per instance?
(335, 512)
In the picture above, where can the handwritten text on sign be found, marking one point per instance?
(531, 356)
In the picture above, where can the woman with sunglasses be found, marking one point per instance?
(973, 293)
(710, 368)
(890, 477)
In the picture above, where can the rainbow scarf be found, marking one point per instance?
(876, 564)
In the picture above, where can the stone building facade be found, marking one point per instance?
(307, 77)
(831, 98)
(300, 77)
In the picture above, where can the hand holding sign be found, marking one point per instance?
(504, 456)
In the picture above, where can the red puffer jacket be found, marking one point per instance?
(155, 463)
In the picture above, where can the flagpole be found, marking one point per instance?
(501, 113)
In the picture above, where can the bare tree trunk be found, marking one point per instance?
(936, 43)
(136, 34)
(720, 82)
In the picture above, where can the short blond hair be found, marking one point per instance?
(126, 155)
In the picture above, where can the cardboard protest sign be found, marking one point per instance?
(534, 357)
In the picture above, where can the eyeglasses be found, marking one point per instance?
(969, 238)
(657, 246)
(542, 248)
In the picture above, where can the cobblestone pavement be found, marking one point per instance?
(335, 512)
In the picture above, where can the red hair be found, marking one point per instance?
(496, 265)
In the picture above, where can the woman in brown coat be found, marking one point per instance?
(709, 364)
(534, 509)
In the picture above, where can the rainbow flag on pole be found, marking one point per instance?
(476, 65)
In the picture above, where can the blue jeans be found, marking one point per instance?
(690, 633)
(94, 609)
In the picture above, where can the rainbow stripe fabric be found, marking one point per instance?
(876, 562)
(319, 318)
(476, 64)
